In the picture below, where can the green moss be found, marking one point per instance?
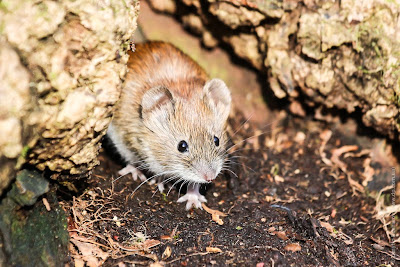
(275, 169)
(25, 151)
(39, 238)
(32, 236)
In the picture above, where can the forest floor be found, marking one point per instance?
(297, 197)
(291, 204)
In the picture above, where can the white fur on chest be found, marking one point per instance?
(122, 149)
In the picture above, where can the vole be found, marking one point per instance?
(171, 119)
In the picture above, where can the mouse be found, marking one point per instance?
(171, 120)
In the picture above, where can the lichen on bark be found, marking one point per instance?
(65, 65)
(334, 54)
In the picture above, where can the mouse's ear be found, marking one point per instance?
(219, 97)
(156, 99)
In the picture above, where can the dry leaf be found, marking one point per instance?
(281, 235)
(336, 153)
(166, 237)
(368, 172)
(215, 214)
(279, 179)
(333, 213)
(149, 243)
(327, 226)
(213, 250)
(380, 242)
(91, 253)
(293, 247)
(167, 252)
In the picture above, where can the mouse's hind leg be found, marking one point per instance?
(135, 172)
(160, 183)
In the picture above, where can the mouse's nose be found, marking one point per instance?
(209, 176)
(206, 172)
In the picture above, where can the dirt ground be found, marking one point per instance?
(296, 195)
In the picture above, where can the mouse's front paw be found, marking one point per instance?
(193, 199)
(132, 170)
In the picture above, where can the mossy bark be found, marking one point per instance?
(62, 65)
(327, 54)
(32, 236)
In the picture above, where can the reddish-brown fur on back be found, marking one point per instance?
(176, 70)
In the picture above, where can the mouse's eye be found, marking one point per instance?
(216, 141)
(183, 146)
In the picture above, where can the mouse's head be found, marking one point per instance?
(185, 135)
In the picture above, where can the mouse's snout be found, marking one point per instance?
(209, 176)
(207, 172)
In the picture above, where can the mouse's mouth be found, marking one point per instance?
(205, 172)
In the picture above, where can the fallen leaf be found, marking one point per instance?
(166, 237)
(215, 214)
(368, 172)
(327, 226)
(281, 235)
(213, 250)
(90, 253)
(293, 247)
(333, 213)
(167, 252)
(382, 243)
(279, 179)
(336, 153)
(149, 243)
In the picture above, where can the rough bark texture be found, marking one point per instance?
(329, 54)
(60, 72)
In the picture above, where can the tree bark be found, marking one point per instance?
(61, 71)
(328, 54)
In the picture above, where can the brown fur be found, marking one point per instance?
(167, 99)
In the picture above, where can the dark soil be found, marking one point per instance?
(290, 202)
(276, 203)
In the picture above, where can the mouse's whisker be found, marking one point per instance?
(179, 192)
(148, 179)
(257, 135)
(136, 162)
(163, 182)
(239, 164)
(142, 183)
(168, 180)
(244, 140)
(241, 126)
(179, 180)
(226, 169)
